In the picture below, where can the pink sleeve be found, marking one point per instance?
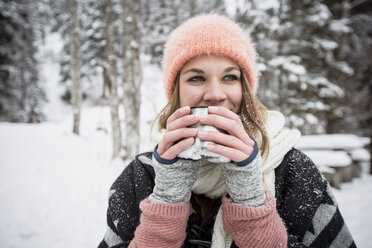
(254, 227)
(162, 225)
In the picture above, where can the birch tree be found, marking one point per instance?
(110, 77)
(75, 65)
(131, 74)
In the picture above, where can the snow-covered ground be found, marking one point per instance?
(355, 201)
(54, 184)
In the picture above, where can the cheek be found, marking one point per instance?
(239, 98)
(236, 95)
(189, 95)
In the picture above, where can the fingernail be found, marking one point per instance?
(192, 117)
(213, 108)
(202, 133)
(184, 109)
(192, 130)
(211, 146)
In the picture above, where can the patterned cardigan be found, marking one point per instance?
(304, 201)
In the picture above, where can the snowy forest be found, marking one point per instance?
(314, 58)
(81, 82)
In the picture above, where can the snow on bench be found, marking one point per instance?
(339, 157)
(329, 158)
(361, 155)
(345, 142)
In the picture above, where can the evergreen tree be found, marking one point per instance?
(354, 29)
(360, 57)
(355, 34)
(298, 62)
(21, 95)
(61, 24)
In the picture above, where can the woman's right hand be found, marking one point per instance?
(174, 180)
(178, 135)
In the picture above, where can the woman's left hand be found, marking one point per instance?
(244, 183)
(235, 143)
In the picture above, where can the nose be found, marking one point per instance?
(214, 92)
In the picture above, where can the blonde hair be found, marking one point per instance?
(253, 114)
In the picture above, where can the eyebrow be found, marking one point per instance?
(231, 68)
(194, 70)
(228, 69)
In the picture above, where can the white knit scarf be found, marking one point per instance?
(210, 181)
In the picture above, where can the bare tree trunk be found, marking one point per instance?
(369, 122)
(75, 65)
(192, 7)
(370, 152)
(345, 15)
(110, 78)
(105, 83)
(132, 75)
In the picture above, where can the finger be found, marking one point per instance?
(182, 122)
(178, 113)
(223, 111)
(226, 140)
(231, 153)
(173, 136)
(174, 150)
(230, 126)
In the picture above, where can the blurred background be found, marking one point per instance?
(81, 82)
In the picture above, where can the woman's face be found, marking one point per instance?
(211, 80)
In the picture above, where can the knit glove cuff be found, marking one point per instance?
(173, 179)
(244, 183)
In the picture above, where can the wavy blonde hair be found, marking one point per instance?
(253, 114)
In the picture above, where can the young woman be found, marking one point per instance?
(260, 192)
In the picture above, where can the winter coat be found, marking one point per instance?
(304, 201)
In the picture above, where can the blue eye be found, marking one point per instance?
(196, 79)
(230, 78)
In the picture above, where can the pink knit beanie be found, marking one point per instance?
(208, 34)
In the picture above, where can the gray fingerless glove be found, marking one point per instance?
(244, 180)
(173, 179)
